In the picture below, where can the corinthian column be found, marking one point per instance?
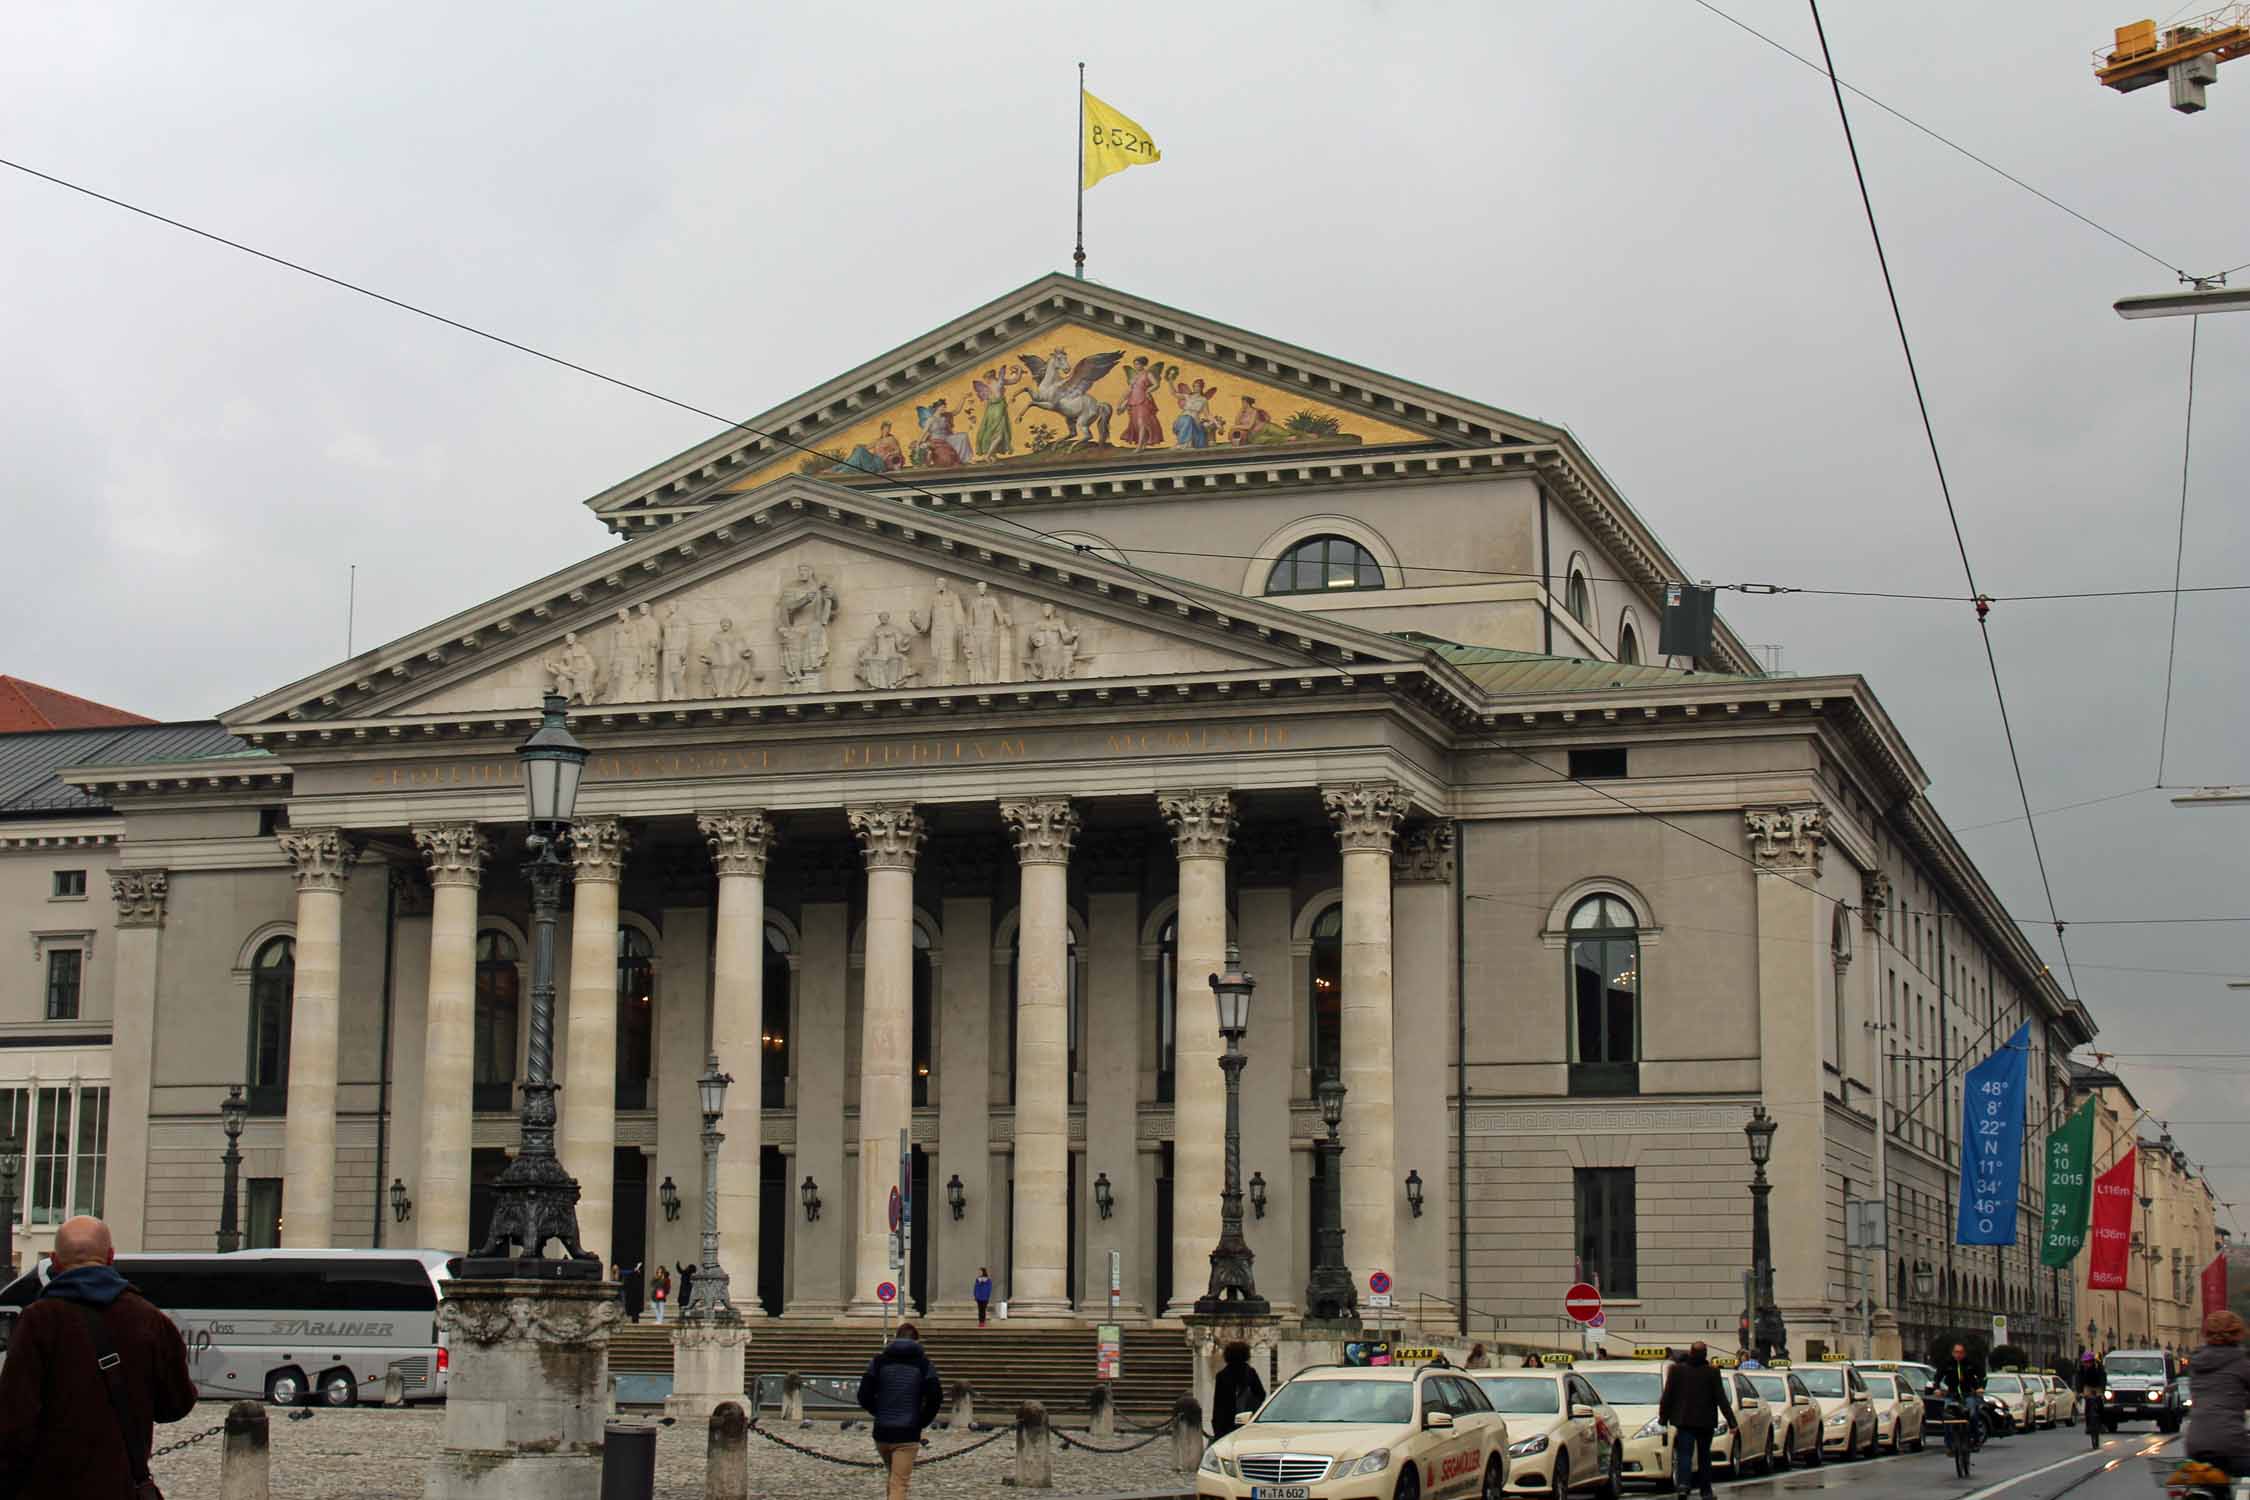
(1366, 814)
(322, 858)
(740, 842)
(891, 837)
(589, 1093)
(1038, 1286)
(140, 898)
(456, 852)
(1202, 827)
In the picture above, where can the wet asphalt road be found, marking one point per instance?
(2028, 1466)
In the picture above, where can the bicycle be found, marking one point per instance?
(1958, 1441)
(2093, 1419)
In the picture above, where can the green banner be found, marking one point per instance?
(2070, 1188)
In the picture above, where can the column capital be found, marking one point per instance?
(740, 841)
(1043, 829)
(1424, 855)
(1785, 837)
(597, 849)
(321, 858)
(139, 895)
(456, 853)
(1202, 822)
(890, 834)
(1366, 814)
(1874, 899)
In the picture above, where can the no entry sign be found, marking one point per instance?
(1583, 1302)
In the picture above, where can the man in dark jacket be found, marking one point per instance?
(1962, 1377)
(902, 1392)
(1237, 1392)
(60, 1437)
(1693, 1404)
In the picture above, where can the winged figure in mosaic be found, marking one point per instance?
(1066, 389)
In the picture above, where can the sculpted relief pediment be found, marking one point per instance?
(822, 616)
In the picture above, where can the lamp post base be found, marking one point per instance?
(530, 1389)
(707, 1353)
(1207, 1340)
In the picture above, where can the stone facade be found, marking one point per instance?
(825, 709)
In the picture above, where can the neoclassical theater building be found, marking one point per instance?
(949, 723)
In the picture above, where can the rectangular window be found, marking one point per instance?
(65, 967)
(1606, 764)
(70, 885)
(15, 1106)
(91, 1172)
(262, 1229)
(1606, 1240)
(50, 1157)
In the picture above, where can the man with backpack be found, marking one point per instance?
(92, 1367)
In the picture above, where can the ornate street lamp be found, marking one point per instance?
(1329, 1294)
(668, 1194)
(234, 1113)
(1104, 1198)
(1234, 1290)
(11, 1162)
(810, 1195)
(709, 1299)
(957, 1196)
(535, 1200)
(1768, 1336)
(401, 1203)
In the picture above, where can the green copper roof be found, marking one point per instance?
(1499, 671)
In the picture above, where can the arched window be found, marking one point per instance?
(1628, 647)
(1322, 563)
(636, 1015)
(1073, 1018)
(1580, 599)
(1605, 989)
(773, 1028)
(497, 980)
(1327, 1007)
(273, 986)
(923, 1029)
(1167, 1007)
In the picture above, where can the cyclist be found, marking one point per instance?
(1963, 1376)
(2092, 1384)
(2221, 1372)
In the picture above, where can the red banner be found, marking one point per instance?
(2215, 1285)
(2112, 1235)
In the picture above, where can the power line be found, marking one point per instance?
(1953, 516)
(2138, 791)
(1949, 143)
(2179, 552)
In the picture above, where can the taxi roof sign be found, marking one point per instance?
(1777, 1364)
(1833, 1358)
(1421, 1352)
(1725, 1361)
(1652, 1351)
(1555, 1359)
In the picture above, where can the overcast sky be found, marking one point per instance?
(1633, 219)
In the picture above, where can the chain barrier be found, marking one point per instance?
(1070, 1442)
(187, 1442)
(991, 1437)
(862, 1463)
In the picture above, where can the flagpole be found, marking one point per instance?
(1078, 257)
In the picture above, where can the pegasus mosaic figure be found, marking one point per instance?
(1066, 389)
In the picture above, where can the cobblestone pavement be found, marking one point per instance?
(372, 1454)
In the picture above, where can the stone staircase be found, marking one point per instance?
(1006, 1365)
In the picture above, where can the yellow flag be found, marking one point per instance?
(1113, 142)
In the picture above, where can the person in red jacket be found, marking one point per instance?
(68, 1430)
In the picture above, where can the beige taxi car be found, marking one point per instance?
(1898, 1410)
(2015, 1395)
(1633, 1388)
(1796, 1416)
(1561, 1435)
(1847, 1415)
(1394, 1432)
(2065, 1402)
(1757, 1446)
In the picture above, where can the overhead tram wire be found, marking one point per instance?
(977, 517)
(1945, 488)
(2179, 551)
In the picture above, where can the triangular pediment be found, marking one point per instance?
(801, 591)
(1060, 378)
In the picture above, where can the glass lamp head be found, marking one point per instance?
(1330, 1092)
(234, 1112)
(1760, 1131)
(553, 760)
(711, 1087)
(1232, 991)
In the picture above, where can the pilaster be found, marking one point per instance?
(1785, 846)
(139, 895)
(1422, 904)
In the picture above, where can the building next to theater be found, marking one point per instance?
(2174, 1235)
(947, 729)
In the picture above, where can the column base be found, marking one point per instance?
(707, 1367)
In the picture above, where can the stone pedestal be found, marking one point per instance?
(1207, 1340)
(1888, 1344)
(707, 1355)
(530, 1389)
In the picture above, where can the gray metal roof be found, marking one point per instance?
(28, 762)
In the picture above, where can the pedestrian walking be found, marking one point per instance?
(1478, 1359)
(1693, 1403)
(982, 1291)
(687, 1286)
(92, 1367)
(901, 1392)
(631, 1289)
(1237, 1392)
(660, 1289)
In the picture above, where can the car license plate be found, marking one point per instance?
(1281, 1492)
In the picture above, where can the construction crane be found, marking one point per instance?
(2187, 55)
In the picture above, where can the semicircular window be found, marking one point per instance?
(1322, 563)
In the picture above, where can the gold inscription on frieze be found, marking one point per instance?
(930, 753)
(1206, 738)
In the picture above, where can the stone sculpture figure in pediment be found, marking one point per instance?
(1052, 647)
(675, 648)
(945, 623)
(802, 614)
(990, 641)
(623, 669)
(730, 666)
(884, 661)
(571, 671)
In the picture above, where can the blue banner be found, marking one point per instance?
(1992, 1143)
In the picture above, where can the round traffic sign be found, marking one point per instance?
(1379, 1282)
(886, 1291)
(898, 1214)
(1583, 1302)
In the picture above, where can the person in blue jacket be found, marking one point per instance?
(983, 1292)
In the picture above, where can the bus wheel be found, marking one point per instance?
(337, 1388)
(286, 1387)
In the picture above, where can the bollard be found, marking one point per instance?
(394, 1386)
(1035, 1448)
(1101, 1413)
(964, 1406)
(792, 1397)
(245, 1461)
(1187, 1435)
(628, 1461)
(726, 1474)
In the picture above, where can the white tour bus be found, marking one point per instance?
(292, 1325)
